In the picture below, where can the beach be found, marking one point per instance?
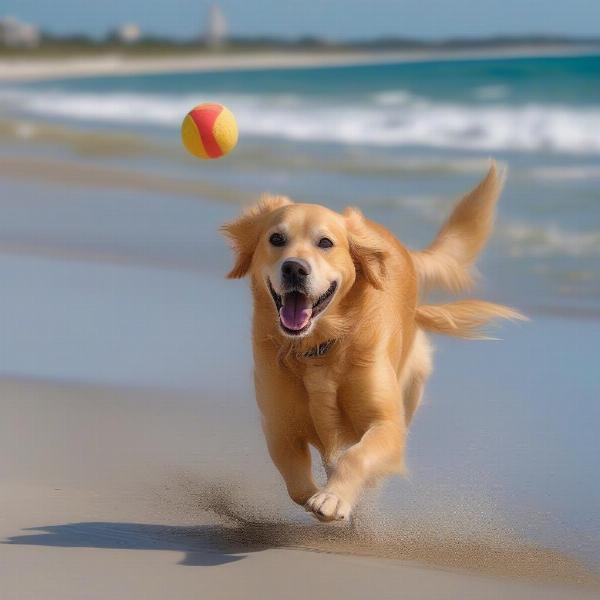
(132, 458)
(113, 63)
(121, 493)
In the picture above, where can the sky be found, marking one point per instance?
(334, 19)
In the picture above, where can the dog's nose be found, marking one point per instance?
(295, 270)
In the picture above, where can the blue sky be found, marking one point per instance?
(336, 19)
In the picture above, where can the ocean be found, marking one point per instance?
(132, 279)
(401, 141)
(547, 105)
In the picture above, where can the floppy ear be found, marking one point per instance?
(244, 231)
(367, 249)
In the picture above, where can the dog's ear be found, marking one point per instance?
(367, 249)
(243, 233)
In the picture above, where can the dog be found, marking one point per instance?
(339, 333)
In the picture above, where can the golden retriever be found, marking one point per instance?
(340, 350)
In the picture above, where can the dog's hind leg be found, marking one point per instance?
(417, 371)
(413, 394)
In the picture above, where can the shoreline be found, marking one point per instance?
(17, 70)
(85, 512)
(69, 173)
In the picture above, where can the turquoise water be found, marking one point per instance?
(570, 80)
(534, 104)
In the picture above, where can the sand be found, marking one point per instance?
(102, 496)
(27, 69)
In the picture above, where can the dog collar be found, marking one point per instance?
(320, 350)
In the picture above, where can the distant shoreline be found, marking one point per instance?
(116, 64)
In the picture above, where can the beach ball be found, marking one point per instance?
(209, 131)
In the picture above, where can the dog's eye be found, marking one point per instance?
(277, 239)
(325, 243)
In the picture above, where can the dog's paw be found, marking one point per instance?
(326, 506)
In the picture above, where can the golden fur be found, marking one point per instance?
(354, 403)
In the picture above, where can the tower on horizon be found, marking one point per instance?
(216, 27)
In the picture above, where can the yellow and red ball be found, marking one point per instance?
(209, 131)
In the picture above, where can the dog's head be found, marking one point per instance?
(306, 256)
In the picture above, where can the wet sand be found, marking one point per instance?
(106, 492)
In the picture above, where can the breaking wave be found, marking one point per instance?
(393, 118)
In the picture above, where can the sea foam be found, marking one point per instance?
(394, 118)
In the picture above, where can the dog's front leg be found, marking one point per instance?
(287, 428)
(291, 456)
(372, 400)
(325, 414)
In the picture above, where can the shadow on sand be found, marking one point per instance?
(205, 545)
(211, 545)
(238, 532)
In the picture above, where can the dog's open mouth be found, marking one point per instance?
(296, 309)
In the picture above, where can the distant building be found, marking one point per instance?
(216, 27)
(17, 34)
(128, 33)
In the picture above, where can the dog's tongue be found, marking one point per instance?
(296, 311)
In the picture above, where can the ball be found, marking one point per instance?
(209, 131)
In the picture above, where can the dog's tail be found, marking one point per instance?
(464, 318)
(448, 261)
